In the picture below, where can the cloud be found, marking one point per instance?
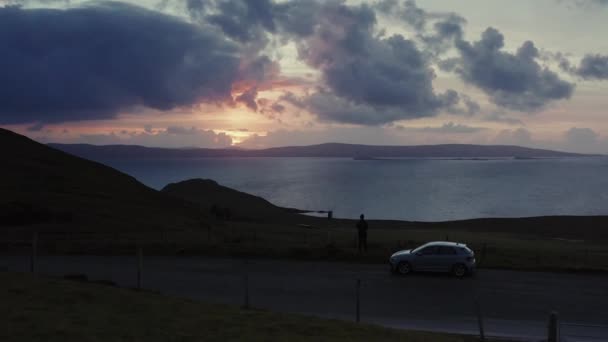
(94, 61)
(249, 98)
(367, 79)
(451, 127)
(331, 108)
(582, 140)
(502, 117)
(580, 137)
(447, 27)
(247, 22)
(520, 137)
(371, 135)
(353, 135)
(99, 60)
(37, 127)
(584, 3)
(593, 67)
(513, 81)
(172, 136)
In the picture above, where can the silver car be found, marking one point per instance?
(438, 256)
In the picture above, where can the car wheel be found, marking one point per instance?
(404, 268)
(459, 270)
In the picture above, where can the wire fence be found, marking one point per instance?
(302, 243)
(381, 300)
(318, 291)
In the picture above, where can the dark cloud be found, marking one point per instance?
(173, 136)
(298, 18)
(461, 104)
(242, 20)
(26, 3)
(446, 27)
(249, 24)
(513, 81)
(249, 98)
(95, 61)
(332, 108)
(368, 79)
(593, 67)
(37, 127)
(92, 62)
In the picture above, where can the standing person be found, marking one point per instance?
(362, 230)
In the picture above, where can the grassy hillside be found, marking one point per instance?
(238, 205)
(41, 309)
(45, 187)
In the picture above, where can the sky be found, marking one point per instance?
(264, 73)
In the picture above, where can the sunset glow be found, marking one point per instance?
(456, 72)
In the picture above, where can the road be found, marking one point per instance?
(513, 304)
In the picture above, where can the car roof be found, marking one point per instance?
(445, 243)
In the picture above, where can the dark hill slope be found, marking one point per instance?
(41, 185)
(209, 194)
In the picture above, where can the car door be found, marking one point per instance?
(425, 259)
(446, 258)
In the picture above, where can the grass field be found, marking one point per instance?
(45, 309)
(330, 241)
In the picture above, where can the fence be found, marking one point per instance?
(360, 298)
(356, 298)
(303, 243)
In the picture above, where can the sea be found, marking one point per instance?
(400, 189)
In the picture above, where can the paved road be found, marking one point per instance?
(514, 304)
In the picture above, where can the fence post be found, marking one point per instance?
(482, 335)
(553, 333)
(358, 299)
(246, 286)
(140, 261)
(34, 256)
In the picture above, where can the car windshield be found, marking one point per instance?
(418, 249)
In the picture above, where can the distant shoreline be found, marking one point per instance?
(330, 150)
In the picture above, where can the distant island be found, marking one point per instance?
(333, 150)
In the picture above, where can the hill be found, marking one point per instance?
(46, 187)
(334, 150)
(223, 201)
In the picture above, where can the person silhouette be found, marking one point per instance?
(362, 232)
